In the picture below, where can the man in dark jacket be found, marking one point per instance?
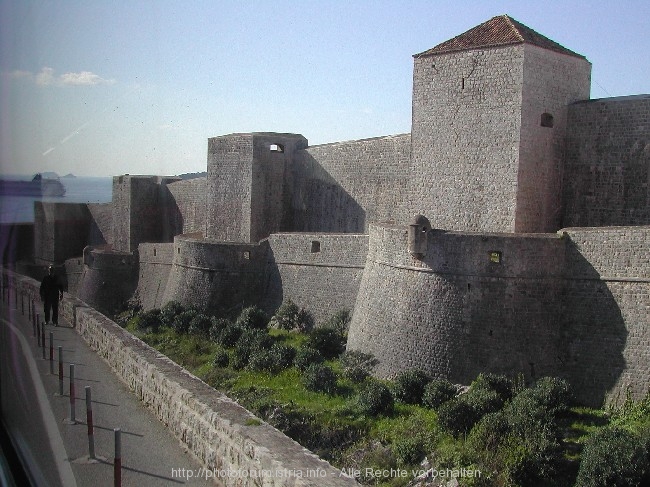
(51, 293)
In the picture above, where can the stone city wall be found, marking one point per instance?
(101, 225)
(155, 263)
(108, 279)
(573, 304)
(319, 272)
(61, 231)
(474, 303)
(607, 168)
(345, 186)
(190, 199)
(606, 311)
(222, 434)
(215, 276)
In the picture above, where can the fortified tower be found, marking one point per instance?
(489, 126)
(142, 211)
(249, 181)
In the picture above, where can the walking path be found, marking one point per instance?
(57, 449)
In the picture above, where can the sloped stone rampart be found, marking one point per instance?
(229, 439)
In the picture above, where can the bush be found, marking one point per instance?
(290, 317)
(181, 323)
(409, 386)
(457, 417)
(437, 392)
(252, 318)
(483, 401)
(319, 378)
(516, 457)
(614, 456)
(169, 311)
(409, 451)
(375, 398)
(339, 321)
(272, 359)
(500, 384)
(217, 326)
(250, 341)
(328, 341)
(200, 325)
(357, 365)
(554, 394)
(306, 356)
(229, 335)
(284, 354)
(149, 320)
(220, 358)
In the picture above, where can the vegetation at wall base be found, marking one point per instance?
(301, 381)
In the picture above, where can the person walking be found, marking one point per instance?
(51, 293)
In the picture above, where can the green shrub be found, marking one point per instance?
(500, 384)
(375, 398)
(200, 325)
(517, 456)
(250, 341)
(272, 359)
(306, 356)
(169, 311)
(408, 386)
(457, 417)
(181, 323)
(319, 378)
(339, 321)
(252, 318)
(284, 355)
(409, 451)
(217, 326)
(483, 401)
(437, 392)
(328, 341)
(291, 317)
(229, 335)
(149, 320)
(614, 456)
(220, 358)
(554, 394)
(357, 365)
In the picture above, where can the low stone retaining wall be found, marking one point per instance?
(237, 447)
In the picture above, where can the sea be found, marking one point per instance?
(20, 209)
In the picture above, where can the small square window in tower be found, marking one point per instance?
(495, 256)
(315, 246)
(546, 120)
(276, 148)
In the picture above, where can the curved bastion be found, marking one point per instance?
(212, 273)
(108, 278)
(460, 303)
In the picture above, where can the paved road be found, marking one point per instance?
(38, 418)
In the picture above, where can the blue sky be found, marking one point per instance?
(113, 87)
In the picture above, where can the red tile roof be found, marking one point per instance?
(498, 31)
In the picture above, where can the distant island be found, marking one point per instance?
(69, 176)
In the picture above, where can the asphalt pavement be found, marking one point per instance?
(56, 448)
